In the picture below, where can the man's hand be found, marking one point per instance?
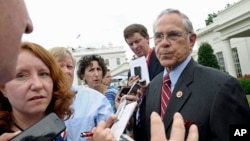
(110, 121)
(8, 136)
(102, 133)
(177, 132)
(133, 79)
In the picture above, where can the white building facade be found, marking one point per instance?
(229, 36)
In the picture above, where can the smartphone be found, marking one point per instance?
(124, 90)
(44, 130)
(137, 71)
(134, 88)
(130, 90)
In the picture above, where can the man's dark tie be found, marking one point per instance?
(165, 94)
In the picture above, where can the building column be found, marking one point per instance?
(228, 58)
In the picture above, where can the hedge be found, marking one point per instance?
(245, 83)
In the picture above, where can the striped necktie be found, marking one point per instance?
(165, 94)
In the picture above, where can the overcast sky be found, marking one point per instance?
(99, 22)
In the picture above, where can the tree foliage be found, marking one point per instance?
(210, 18)
(206, 56)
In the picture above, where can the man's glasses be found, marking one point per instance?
(170, 36)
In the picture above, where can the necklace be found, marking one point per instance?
(18, 126)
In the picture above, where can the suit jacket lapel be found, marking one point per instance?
(180, 94)
(176, 103)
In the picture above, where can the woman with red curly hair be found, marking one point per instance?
(39, 87)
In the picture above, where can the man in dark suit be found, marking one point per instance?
(137, 38)
(205, 96)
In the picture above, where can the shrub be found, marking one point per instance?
(245, 83)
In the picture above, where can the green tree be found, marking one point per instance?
(210, 18)
(206, 56)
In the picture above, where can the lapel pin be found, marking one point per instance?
(179, 94)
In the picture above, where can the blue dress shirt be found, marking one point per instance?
(90, 107)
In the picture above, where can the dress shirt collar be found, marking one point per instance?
(176, 72)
